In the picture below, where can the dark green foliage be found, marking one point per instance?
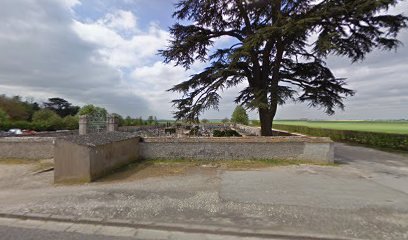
(240, 115)
(46, 119)
(36, 126)
(170, 131)
(386, 140)
(43, 120)
(62, 107)
(278, 48)
(226, 133)
(5, 126)
(194, 131)
(3, 116)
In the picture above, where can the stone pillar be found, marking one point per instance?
(83, 124)
(112, 123)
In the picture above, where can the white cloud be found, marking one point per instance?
(70, 3)
(112, 61)
(118, 49)
(119, 20)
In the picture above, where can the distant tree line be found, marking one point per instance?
(54, 114)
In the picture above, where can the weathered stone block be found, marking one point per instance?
(85, 158)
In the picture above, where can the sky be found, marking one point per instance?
(105, 53)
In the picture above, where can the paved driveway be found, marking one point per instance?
(365, 197)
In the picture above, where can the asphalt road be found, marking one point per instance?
(13, 233)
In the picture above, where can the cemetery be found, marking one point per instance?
(100, 146)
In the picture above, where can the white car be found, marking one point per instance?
(15, 131)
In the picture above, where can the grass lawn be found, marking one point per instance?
(398, 127)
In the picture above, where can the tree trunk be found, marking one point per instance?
(266, 118)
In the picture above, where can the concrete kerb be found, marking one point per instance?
(172, 227)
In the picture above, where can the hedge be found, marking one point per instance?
(386, 140)
(36, 126)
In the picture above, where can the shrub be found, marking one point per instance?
(16, 124)
(226, 133)
(232, 133)
(240, 116)
(44, 115)
(170, 130)
(194, 131)
(47, 120)
(218, 133)
(71, 122)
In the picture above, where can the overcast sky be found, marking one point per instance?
(105, 53)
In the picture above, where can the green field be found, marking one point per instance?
(396, 127)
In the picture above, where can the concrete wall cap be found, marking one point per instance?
(97, 139)
(238, 139)
(26, 139)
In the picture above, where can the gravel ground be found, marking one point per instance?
(365, 197)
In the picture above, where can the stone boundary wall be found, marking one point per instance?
(292, 148)
(32, 148)
(319, 150)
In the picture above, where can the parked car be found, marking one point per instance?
(4, 134)
(29, 132)
(15, 131)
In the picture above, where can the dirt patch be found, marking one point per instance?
(12, 161)
(43, 165)
(31, 166)
(161, 168)
(143, 170)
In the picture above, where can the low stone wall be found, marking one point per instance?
(246, 148)
(27, 148)
(85, 158)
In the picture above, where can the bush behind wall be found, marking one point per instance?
(386, 140)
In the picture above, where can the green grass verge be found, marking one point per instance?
(393, 127)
